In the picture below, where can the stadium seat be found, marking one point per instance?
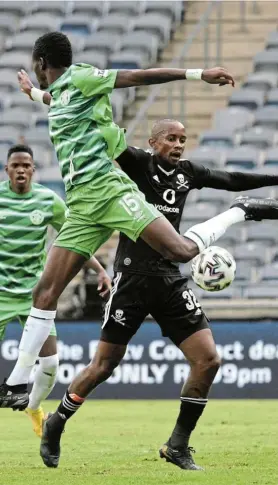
(236, 118)
(15, 60)
(128, 60)
(90, 8)
(42, 155)
(212, 157)
(117, 101)
(248, 98)
(253, 251)
(271, 157)
(8, 81)
(15, 117)
(272, 40)
(269, 273)
(243, 156)
(261, 192)
(199, 212)
(233, 235)
(155, 23)
(223, 138)
(132, 7)
(23, 41)
(226, 294)
(115, 23)
(16, 7)
(41, 120)
(266, 61)
(20, 100)
(41, 22)
(94, 57)
(101, 42)
(38, 135)
(259, 292)
(259, 137)
(267, 116)
(244, 272)
(9, 135)
(167, 8)
(272, 97)
(79, 24)
(59, 8)
(218, 197)
(141, 42)
(263, 231)
(261, 81)
(8, 23)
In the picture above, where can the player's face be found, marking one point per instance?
(40, 73)
(20, 169)
(170, 143)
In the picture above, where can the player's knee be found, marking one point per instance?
(211, 364)
(44, 298)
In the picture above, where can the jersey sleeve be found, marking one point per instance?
(59, 213)
(133, 161)
(199, 174)
(91, 80)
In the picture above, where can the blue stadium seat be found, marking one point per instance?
(235, 117)
(102, 42)
(261, 81)
(259, 137)
(272, 97)
(272, 40)
(264, 232)
(115, 23)
(9, 135)
(41, 22)
(260, 292)
(269, 273)
(91, 8)
(267, 116)
(128, 60)
(155, 23)
(243, 157)
(199, 212)
(96, 58)
(79, 24)
(254, 252)
(210, 156)
(266, 61)
(248, 98)
(223, 138)
(271, 157)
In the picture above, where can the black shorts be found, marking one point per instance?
(167, 298)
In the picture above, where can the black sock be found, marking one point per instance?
(190, 411)
(69, 405)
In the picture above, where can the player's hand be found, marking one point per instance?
(104, 284)
(218, 75)
(25, 82)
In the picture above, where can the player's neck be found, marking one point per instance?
(53, 74)
(20, 190)
(165, 165)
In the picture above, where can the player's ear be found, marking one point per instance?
(6, 168)
(42, 63)
(152, 142)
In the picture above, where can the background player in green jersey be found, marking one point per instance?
(100, 198)
(26, 211)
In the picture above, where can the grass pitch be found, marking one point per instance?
(117, 442)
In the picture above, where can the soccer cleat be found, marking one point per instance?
(37, 417)
(15, 397)
(257, 209)
(50, 443)
(181, 458)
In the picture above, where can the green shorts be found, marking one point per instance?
(111, 202)
(16, 309)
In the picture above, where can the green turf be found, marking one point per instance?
(116, 442)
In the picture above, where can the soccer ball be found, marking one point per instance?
(214, 269)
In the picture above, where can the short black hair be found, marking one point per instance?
(54, 48)
(20, 148)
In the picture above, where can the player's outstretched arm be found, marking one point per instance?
(138, 77)
(28, 88)
(237, 181)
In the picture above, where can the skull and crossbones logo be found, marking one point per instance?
(181, 182)
(118, 317)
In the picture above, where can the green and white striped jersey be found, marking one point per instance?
(81, 124)
(24, 220)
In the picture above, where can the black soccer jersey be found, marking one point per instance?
(167, 188)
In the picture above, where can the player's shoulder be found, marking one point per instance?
(185, 165)
(3, 186)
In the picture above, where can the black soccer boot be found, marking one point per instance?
(181, 458)
(257, 209)
(15, 397)
(50, 449)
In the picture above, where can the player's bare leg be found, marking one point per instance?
(44, 382)
(200, 351)
(106, 359)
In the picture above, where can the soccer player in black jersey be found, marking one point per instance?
(146, 283)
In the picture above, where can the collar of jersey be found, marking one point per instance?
(19, 196)
(168, 173)
(58, 80)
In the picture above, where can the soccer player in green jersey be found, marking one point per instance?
(100, 198)
(27, 209)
